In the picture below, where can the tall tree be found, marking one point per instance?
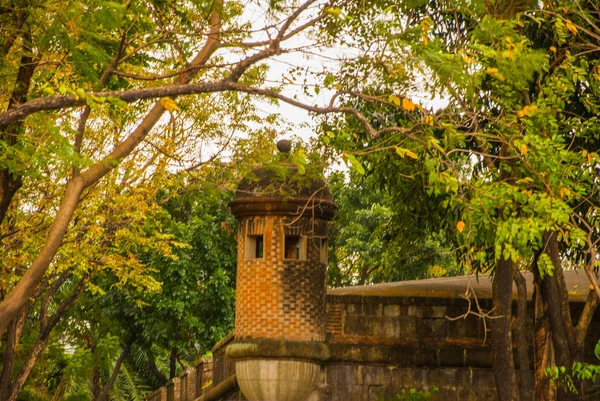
(509, 152)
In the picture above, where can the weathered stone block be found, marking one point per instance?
(391, 328)
(372, 375)
(432, 328)
(408, 327)
(372, 309)
(443, 378)
(340, 375)
(426, 357)
(402, 378)
(158, 395)
(452, 356)
(439, 312)
(358, 325)
(353, 309)
(378, 392)
(424, 311)
(482, 379)
(391, 310)
(479, 357)
(173, 389)
(188, 385)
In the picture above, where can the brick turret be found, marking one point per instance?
(282, 258)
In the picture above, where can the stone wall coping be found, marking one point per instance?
(278, 349)
(401, 300)
(576, 281)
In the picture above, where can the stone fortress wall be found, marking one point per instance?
(381, 345)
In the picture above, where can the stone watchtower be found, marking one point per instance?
(280, 296)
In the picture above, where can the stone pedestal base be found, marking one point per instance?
(277, 379)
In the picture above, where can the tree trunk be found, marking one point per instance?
(9, 359)
(542, 343)
(559, 313)
(172, 363)
(500, 323)
(29, 363)
(162, 380)
(525, 380)
(113, 377)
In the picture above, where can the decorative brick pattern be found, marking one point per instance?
(279, 298)
(335, 319)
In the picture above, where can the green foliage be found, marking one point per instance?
(369, 242)
(412, 395)
(578, 373)
(194, 307)
(510, 158)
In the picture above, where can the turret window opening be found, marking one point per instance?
(323, 251)
(295, 247)
(255, 247)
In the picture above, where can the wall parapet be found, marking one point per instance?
(196, 381)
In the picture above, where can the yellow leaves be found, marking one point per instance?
(553, 49)
(523, 149)
(337, 13)
(569, 26)
(509, 53)
(394, 99)
(527, 111)
(437, 271)
(411, 155)
(428, 119)
(523, 181)
(397, 70)
(408, 105)
(460, 226)
(169, 104)
(425, 28)
(564, 192)
(597, 72)
(468, 60)
(334, 11)
(493, 72)
(405, 153)
(80, 93)
(96, 229)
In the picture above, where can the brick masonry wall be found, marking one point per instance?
(278, 298)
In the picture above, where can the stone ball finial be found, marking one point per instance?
(284, 146)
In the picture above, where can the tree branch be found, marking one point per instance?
(113, 377)
(43, 338)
